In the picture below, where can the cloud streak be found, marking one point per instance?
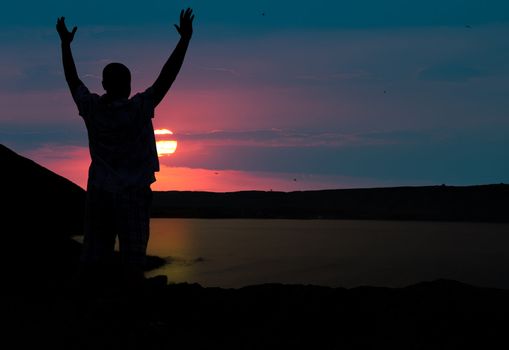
(273, 138)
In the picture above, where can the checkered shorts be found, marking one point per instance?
(125, 215)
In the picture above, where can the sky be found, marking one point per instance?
(276, 95)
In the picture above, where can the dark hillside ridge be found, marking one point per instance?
(40, 212)
(484, 203)
(34, 197)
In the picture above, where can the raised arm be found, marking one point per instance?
(172, 66)
(71, 75)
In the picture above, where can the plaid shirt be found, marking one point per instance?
(121, 139)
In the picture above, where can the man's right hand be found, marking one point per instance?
(186, 24)
(65, 36)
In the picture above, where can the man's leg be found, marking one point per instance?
(99, 238)
(133, 222)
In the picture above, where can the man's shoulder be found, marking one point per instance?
(82, 91)
(147, 94)
(144, 101)
(85, 100)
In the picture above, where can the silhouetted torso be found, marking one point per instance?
(121, 139)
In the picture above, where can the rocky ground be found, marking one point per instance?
(432, 315)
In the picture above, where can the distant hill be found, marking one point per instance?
(488, 203)
(35, 198)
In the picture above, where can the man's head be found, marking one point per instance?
(117, 80)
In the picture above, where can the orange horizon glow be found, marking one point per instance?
(73, 162)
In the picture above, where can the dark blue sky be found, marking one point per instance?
(279, 14)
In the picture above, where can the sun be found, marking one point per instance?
(165, 146)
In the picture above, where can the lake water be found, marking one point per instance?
(348, 253)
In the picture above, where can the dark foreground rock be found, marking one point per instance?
(433, 315)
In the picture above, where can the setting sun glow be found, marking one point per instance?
(165, 147)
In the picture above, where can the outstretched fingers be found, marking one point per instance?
(187, 14)
(64, 33)
(185, 27)
(61, 23)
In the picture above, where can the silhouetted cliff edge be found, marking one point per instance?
(35, 197)
(40, 212)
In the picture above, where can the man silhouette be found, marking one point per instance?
(124, 156)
